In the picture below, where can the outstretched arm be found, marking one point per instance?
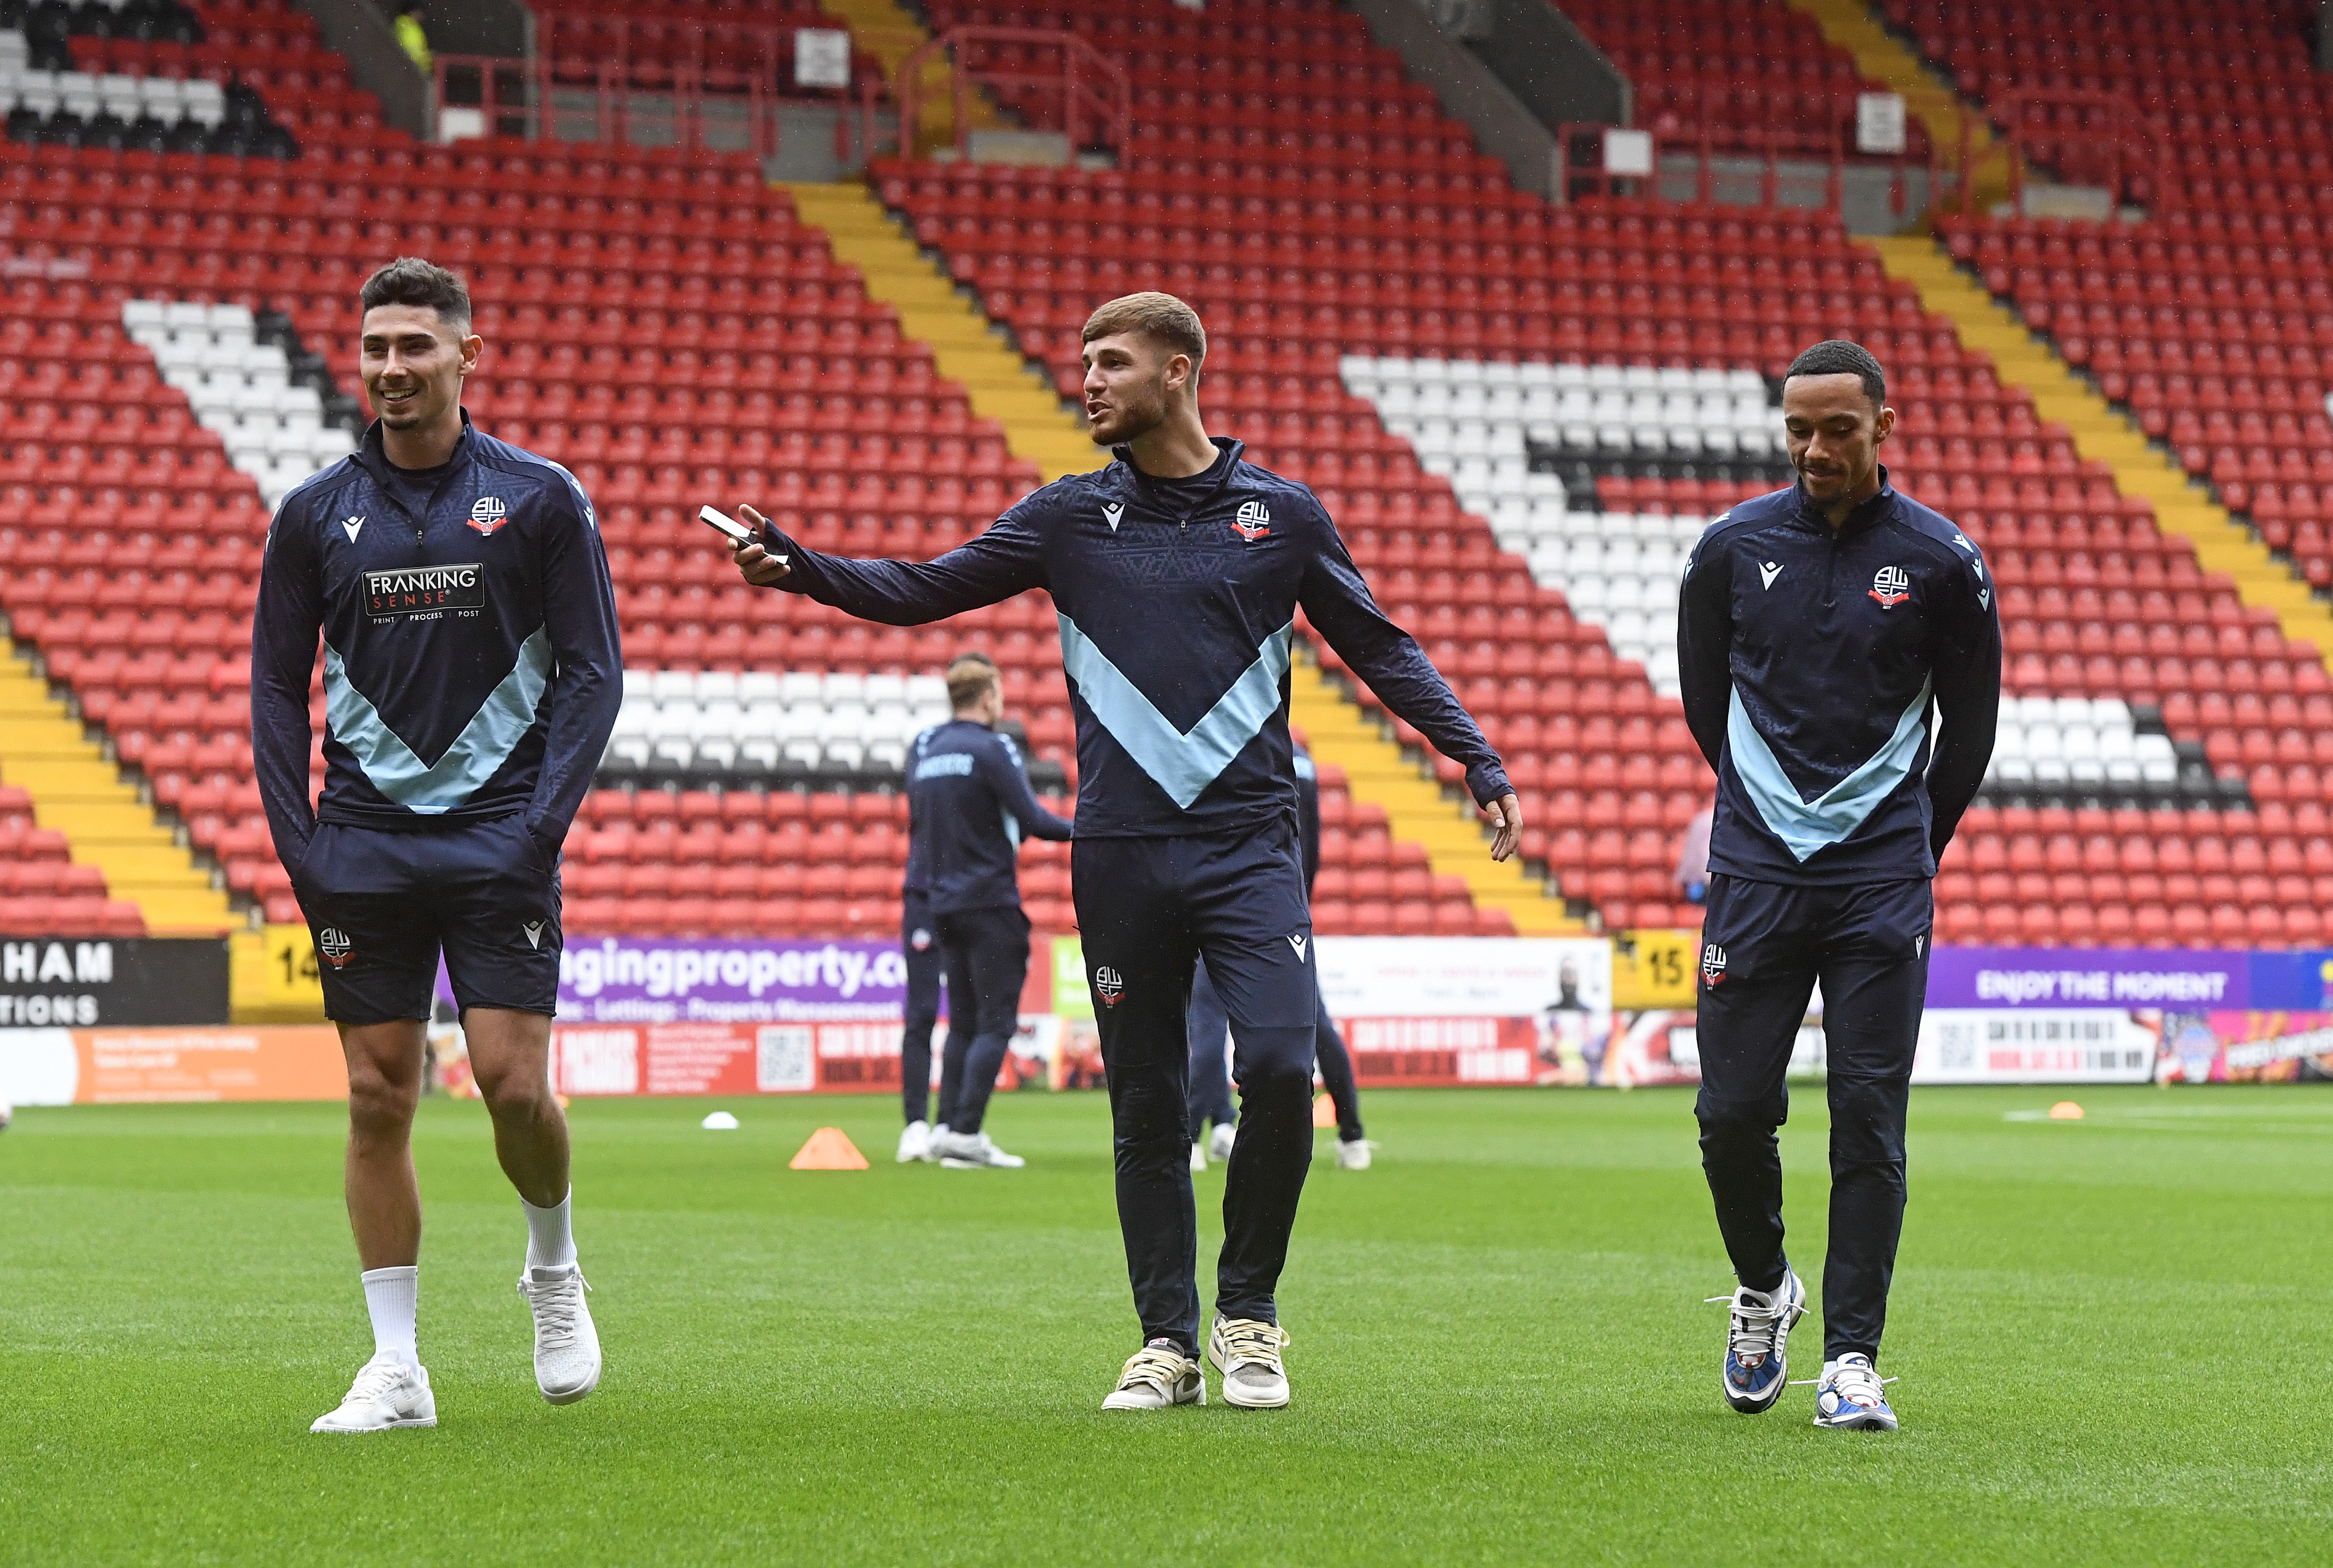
(586, 683)
(1340, 605)
(283, 629)
(1001, 562)
(1968, 698)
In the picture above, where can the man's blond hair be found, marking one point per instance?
(1161, 316)
(969, 676)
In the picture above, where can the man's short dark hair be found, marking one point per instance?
(1838, 356)
(411, 280)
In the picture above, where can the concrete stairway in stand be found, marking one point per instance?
(2182, 506)
(77, 791)
(967, 349)
(1882, 56)
(1456, 843)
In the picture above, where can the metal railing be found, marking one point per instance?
(1767, 148)
(2114, 133)
(531, 99)
(1087, 92)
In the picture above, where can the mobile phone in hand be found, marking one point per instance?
(736, 533)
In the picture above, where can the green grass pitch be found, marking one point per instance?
(2112, 1336)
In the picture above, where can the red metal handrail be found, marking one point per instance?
(1744, 140)
(1091, 85)
(2011, 113)
(520, 91)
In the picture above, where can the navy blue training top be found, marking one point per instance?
(1816, 664)
(1177, 606)
(472, 667)
(968, 804)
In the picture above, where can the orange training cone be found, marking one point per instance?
(828, 1150)
(1324, 1112)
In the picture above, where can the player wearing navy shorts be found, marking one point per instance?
(472, 675)
(1176, 573)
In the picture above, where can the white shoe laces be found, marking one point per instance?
(555, 1305)
(1754, 1326)
(374, 1380)
(1854, 1382)
(1157, 1365)
(1248, 1341)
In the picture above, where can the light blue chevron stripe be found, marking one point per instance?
(476, 754)
(1807, 825)
(1182, 765)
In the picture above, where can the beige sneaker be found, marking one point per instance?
(1156, 1376)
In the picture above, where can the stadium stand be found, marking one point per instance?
(1521, 413)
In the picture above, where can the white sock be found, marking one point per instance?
(391, 1297)
(550, 1234)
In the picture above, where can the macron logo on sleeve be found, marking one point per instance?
(1768, 573)
(1112, 511)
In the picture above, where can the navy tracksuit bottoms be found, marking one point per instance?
(1149, 909)
(985, 952)
(1211, 1078)
(1765, 946)
(919, 942)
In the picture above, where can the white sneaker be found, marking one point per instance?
(1156, 1377)
(1198, 1156)
(1850, 1396)
(387, 1393)
(1246, 1351)
(1757, 1363)
(972, 1151)
(1220, 1140)
(566, 1344)
(1353, 1153)
(916, 1143)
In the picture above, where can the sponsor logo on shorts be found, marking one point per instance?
(488, 515)
(920, 940)
(333, 945)
(1298, 943)
(1253, 521)
(534, 929)
(1110, 985)
(426, 592)
(1892, 587)
(1713, 964)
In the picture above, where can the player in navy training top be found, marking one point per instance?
(1823, 632)
(971, 796)
(471, 678)
(1176, 573)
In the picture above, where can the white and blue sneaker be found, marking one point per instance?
(1757, 1339)
(1850, 1396)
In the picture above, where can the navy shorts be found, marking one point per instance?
(382, 904)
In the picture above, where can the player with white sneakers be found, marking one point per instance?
(462, 595)
(1849, 729)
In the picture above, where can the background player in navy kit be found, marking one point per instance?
(919, 945)
(971, 796)
(1823, 630)
(1211, 1086)
(471, 678)
(1177, 572)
